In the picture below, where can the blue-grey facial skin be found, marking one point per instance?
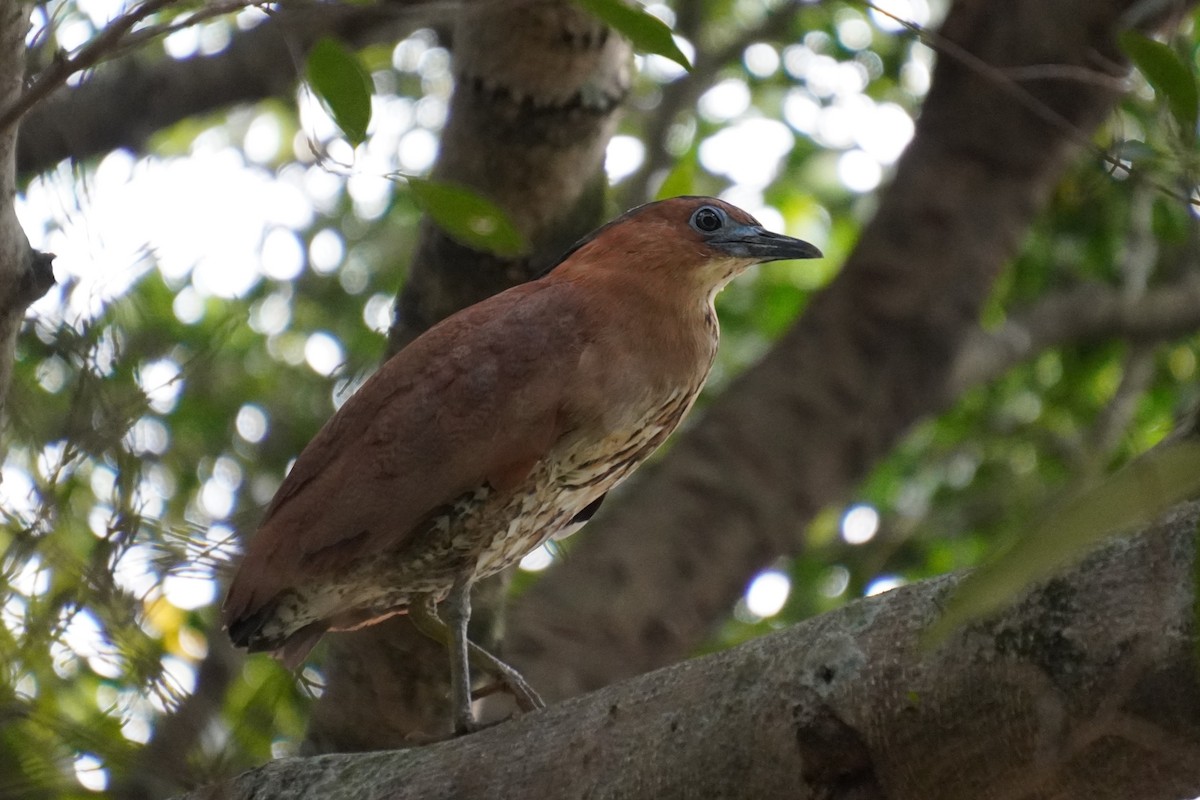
(754, 241)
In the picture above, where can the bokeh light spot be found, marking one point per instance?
(834, 581)
(282, 254)
(90, 772)
(858, 171)
(323, 353)
(768, 593)
(161, 382)
(327, 249)
(623, 156)
(860, 523)
(725, 101)
(761, 60)
(537, 560)
(189, 591)
(884, 583)
(251, 423)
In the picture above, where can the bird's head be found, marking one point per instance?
(698, 241)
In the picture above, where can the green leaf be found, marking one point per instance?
(646, 32)
(343, 86)
(1169, 74)
(469, 218)
(1137, 494)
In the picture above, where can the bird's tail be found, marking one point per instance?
(291, 648)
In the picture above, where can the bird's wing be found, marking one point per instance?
(477, 399)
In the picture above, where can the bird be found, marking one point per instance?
(498, 428)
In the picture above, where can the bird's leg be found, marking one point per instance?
(458, 615)
(424, 616)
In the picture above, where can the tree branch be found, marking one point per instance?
(1083, 314)
(88, 56)
(131, 98)
(1086, 688)
(537, 87)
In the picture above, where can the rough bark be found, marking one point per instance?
(1086, 688)
(537, 85)
(872, 355)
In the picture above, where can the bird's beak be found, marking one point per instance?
(754, 241)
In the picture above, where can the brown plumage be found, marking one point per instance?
(499, 427)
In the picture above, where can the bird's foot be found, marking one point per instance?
(465, 723)
(464, 727)
(509, 679)
(422, 739)
(526, 698)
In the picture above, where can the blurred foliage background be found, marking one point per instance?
(225, 290)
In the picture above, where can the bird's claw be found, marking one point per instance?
(526, 698)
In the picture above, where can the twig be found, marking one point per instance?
(1138, 368)
(1066, 72)
(63, 68)
(114, 39)
(214, 9)
(1005, 78)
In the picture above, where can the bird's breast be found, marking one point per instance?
(605, 460)
(582, 470)
(631, 389)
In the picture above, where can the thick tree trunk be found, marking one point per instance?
(1086, 688)
(537, 87)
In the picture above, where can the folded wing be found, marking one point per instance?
(477, 399)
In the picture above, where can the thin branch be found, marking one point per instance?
(1137, 372)
(1137, 266)
(78, 122)
(428, 10)
(1085, 313)
(1067, 72)
(139, 37)
(88, 56)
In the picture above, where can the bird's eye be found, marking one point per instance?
(707, 219)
